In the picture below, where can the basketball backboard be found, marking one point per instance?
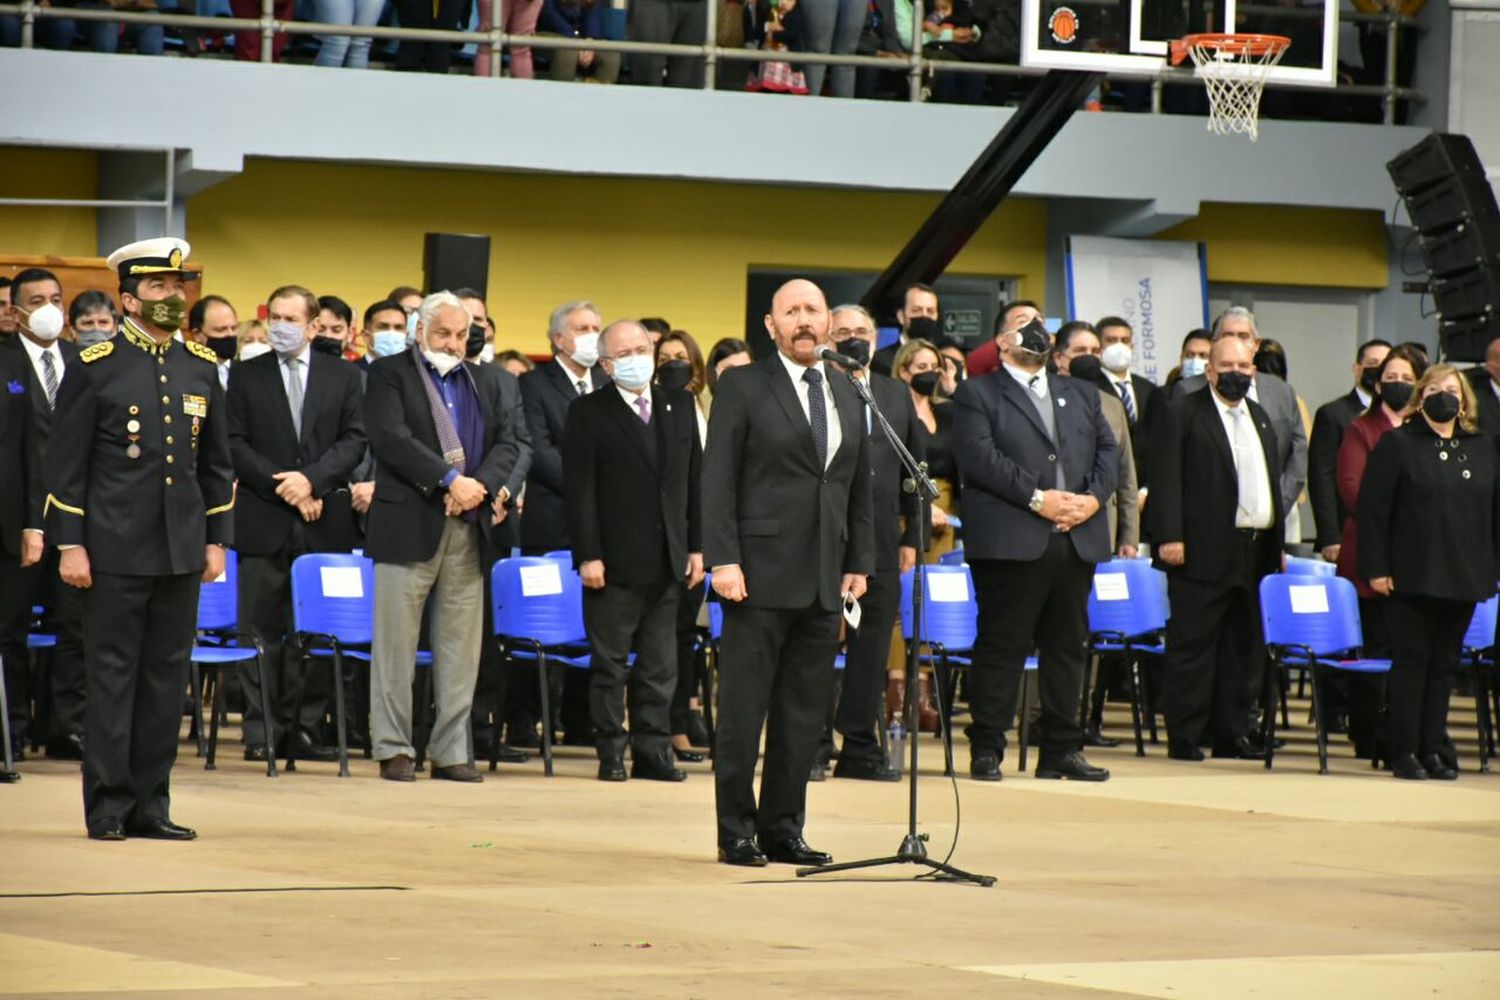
(1134, 36)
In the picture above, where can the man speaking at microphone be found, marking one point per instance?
(788, 535)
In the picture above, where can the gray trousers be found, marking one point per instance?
(683, 22)
(619, 618)
(453, 578)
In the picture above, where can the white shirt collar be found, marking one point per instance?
(1364, 397)
(631, 395)
(796, 371)
(36, 351)
(1024, 377)
(303, 354)
(1225, 410)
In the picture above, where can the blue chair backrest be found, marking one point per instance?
(1127, 597)
(1481, 634)
(950, 613)
(1298, 566)
(561, 555)
(218, 602)
(715, 609)
(1320, 612)
(537, 598)
(333, 593)
(953, 557)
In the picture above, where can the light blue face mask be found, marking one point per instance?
(1194, 366)
(634, 371)
(411, 328)
(388, 342)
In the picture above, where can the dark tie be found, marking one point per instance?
(1031, 384)
(49, 378)
(1124, 389)
(582, 386)
(817, 414)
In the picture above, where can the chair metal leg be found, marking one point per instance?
(1023, 727)
(195, 684)
(1137, 704)
(545, 684)
(8, 774)
(1482, 720)
(213, 681)
(942, 680)
(1285, 677)
(1268, 710)
(265, 706)
(420, 710)
(498, 689)
(1148, 692)
(340, 723)
(706, 707)
(1317, 711)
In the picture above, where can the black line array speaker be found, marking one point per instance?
(450, 262)
(1452, 205)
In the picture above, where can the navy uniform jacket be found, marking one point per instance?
(138, 467)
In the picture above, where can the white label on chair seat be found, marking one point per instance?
(1111, 587)
(342, 581)
(541, 580)
(947, 588)
(1309, 600)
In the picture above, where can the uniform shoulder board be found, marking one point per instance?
(94, 352)
(201, 351)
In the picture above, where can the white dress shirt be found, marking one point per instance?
(1365, 399)
(795, 372)
(1255, 509)
(301, 370)
(631, 395)
(223, 367)
(1033, 382)
(35, 352)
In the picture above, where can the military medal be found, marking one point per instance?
(134, 451)
(133, 426)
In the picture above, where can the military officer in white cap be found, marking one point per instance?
(140, 500)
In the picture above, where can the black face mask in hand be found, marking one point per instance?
(331, 346)
(924, 383)
(1233, 386)
(1396, 394)
(1442, 407)
(857, 348)
(475, 343)
(675, 374)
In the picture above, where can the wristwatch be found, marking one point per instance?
(1037, 499)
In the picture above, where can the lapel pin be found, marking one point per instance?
(1061, 401)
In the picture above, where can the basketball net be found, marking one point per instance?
(1233, 69)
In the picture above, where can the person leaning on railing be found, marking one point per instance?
(99, 36)
(582, 19)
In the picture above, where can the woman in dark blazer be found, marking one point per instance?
(1394, 385)
(1429, 531)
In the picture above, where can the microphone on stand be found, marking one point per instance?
(828, 354)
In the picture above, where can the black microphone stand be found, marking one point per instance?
(913, 850)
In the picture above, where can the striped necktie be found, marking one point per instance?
(1124, 389)
(49, 378)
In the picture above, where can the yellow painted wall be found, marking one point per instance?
(1283, 245)
(47, 173)
(679, 249)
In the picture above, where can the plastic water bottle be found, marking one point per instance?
(896, 745)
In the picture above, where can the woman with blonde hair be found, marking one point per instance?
(1429, 542)
(251, 340)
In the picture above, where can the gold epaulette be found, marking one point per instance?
(94, 352)
(201, 351)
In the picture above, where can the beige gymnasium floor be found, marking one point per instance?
(1214, 880)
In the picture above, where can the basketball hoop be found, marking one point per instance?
(1233, 69)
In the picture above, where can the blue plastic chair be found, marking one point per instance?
(949, 630)
(561, 555)
(1310, 623)
(1479, 656)
(218, 647)
(1300, 566)
(546, 628)
(1128, 615)
(953, 557)
(332, 626)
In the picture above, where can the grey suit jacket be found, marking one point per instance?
(1124, 503)
(1279, 400)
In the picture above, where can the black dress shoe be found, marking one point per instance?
(69, 747)
(1438, 769)
(687, 756)
(510, 755)
(110, 829)
(984, 765)
(865, 770)
(697, 730)
(1239, 748)
(1257, 742)
(256, 752)
(817, 773)
(161, 829)
(1072, 765)
(654, 769)
(741, 851)
(611, 769)
(1094, 738)
(793, 851)
(523, 736)
(1183, 751)
(299, 745)
(1408, 768)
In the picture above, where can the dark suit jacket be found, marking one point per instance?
(407, 514)
(1489, 406)
(1196, 492)
(16, 472)
(1146, 394)
(546, 394)
(1329, 424)
(42, 419)
(890, 502)
(881, 361)
(1279, 400)
(793, 527)
(1004, 453)
(509, 388)
(263, 442)
(632, 489)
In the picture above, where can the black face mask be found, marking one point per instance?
(924, 383)
(1233, 386)
(1034, 339)
(475, 343)
(923, 328)
(223, 347)
(1441, 407)
(331, 346)
(1396, 394)
(1369, 378)
(675, 374)
(857, 348)
(1086, 367)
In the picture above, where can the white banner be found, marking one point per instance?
(1159, 287)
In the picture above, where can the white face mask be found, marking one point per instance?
(253, 350)
(46, 322)
(487, 354)
(443, 362)
(1116, 357)
(586, 349)
(286, 338)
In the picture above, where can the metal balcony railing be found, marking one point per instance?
(913, 63)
